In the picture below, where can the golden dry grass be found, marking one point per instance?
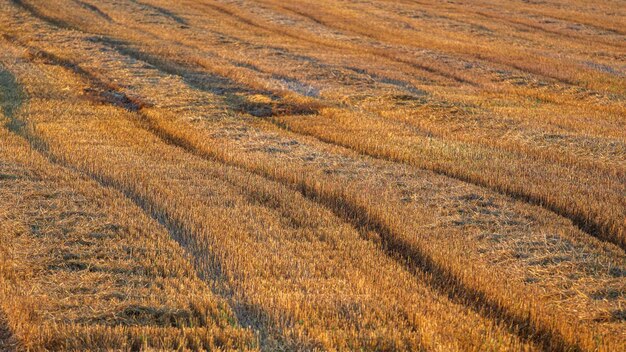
(337, 175)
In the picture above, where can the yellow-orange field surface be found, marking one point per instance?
(328, 175)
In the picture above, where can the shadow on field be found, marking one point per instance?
(10, 101)
(7, 340)
(10, 94)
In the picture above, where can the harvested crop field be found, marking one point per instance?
(375, 175)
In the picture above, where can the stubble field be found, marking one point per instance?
(298, 175)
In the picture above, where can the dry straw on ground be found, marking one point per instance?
(337, 175)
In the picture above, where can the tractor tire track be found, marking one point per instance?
(566, 18)
(110, 94)
(8, 342)
(10, 101)
(439, 278)
(246, 314)
(486, 58)
(521, 24)
(359, 217)
(40, 15)
(585, 223)
(126, 49)
(96, 10)
(582, 221)
(479, 301)
(162, 11)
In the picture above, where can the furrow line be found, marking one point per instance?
(359, 217)
(520, 23)
(96, 10)
(8, 342)
(442, 280)
(162, 11)
(40, 15)
(11, 100)
(176, 230)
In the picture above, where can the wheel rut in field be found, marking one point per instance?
(40, 15)
(95, 9)
(10, 95)
(103, 92)
(10, 100)
(583, 222)
(394, 58)
(440, 278)
(364, 33)
(8, 342)
(162, 11)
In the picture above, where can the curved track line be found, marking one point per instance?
(162, 11)
(583, 222)
(479, 302)
(38, 14)
(174, 228)
(8, 341)
(96, 10)
(125, 49)
(440, 278)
